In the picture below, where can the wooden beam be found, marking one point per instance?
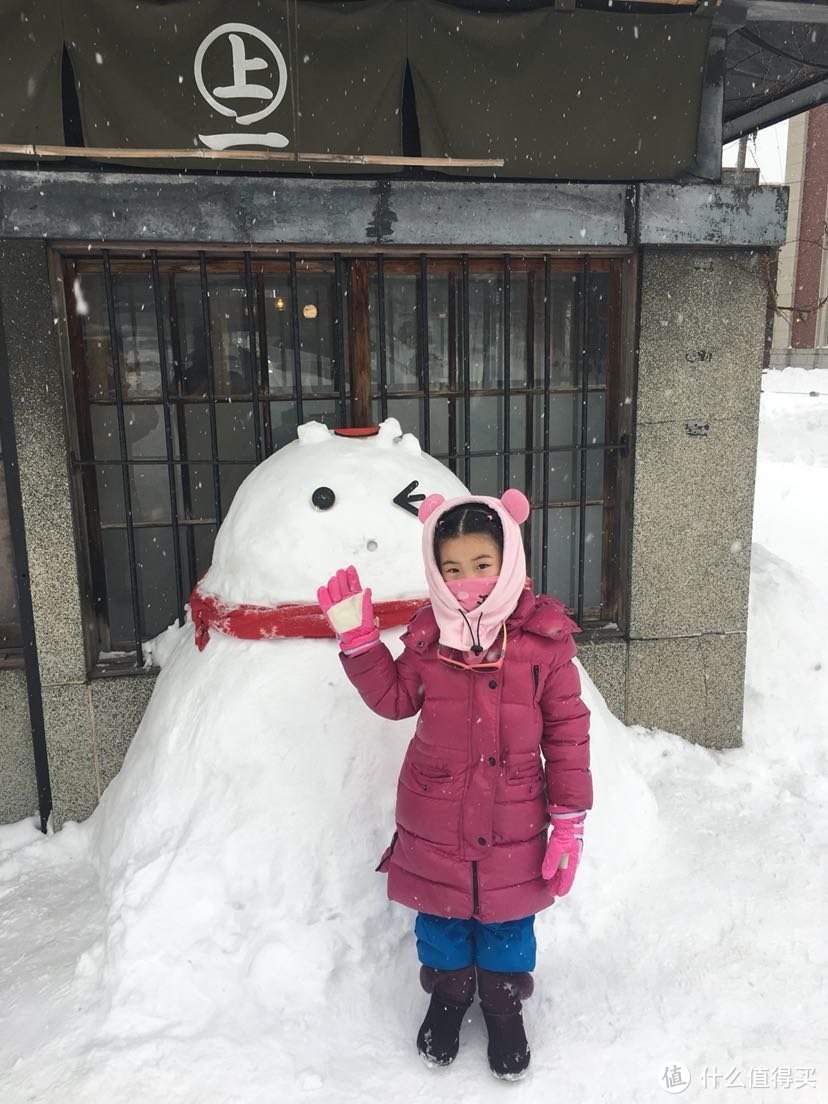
(121, 154)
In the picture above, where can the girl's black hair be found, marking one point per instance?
(470, 517)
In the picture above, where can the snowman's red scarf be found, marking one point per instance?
(273, 622)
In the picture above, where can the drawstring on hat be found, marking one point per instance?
(476, 647)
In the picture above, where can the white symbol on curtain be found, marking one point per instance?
(240, 89)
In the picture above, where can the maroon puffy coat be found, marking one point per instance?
(473, 792)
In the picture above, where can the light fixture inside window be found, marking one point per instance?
(309, 310)
(278, 302)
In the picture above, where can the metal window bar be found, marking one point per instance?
(264, 364)
(181, 424)
(168, 435)
(451, 305)
(211, 385)
(547, 383)
(122, 442)
(476, 454)
(529, 464)
(507, 369)
(466, 326)
(422, 310)
(339, 339)
(583, 368)
(381, 336)
(294, 329)
(250, 303)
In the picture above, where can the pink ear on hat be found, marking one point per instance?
(428, 507)
(516, 503)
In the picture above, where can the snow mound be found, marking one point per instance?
(237, 846)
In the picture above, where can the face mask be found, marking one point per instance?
(471, 592)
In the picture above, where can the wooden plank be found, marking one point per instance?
(117, 153)
(359, 337)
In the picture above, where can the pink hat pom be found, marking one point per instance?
(428, 507)
(516, 503)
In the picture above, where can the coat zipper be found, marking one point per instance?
(536, 676)
(475, 899)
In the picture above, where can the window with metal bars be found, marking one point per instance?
(189, 370)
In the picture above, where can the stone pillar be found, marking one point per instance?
(40, 425)
(701, 351)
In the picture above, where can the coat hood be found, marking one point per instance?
(459, 629)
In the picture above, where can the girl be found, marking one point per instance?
(488, 666)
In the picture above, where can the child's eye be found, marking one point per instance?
(483, 566)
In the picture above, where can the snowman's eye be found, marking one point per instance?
(323, 498)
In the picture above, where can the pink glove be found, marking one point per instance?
(564, 849)
(350, 611)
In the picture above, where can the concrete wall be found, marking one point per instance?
(700, 361)
(681, 669)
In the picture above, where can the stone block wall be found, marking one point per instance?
(700, 360)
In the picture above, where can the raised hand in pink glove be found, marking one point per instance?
(563, 850)
(350, 611)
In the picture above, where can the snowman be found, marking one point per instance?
(236, 849)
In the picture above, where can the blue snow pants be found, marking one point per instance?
(449, 944)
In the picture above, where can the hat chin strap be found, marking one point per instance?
(476, 647)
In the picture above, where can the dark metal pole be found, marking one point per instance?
(8, 448)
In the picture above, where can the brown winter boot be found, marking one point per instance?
(452, 992)
(501, 997)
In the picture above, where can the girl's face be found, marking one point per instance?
(469, 556)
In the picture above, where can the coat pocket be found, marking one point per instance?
(386, 855)
(524, 768)
(431, 772)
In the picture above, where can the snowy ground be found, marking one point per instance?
(707, 952)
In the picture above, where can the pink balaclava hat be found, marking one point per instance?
(487, 619)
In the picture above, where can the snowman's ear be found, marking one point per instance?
(428, 507)
(517, 504)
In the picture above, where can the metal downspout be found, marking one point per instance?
(24, 591)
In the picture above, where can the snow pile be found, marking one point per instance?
(216, 931)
